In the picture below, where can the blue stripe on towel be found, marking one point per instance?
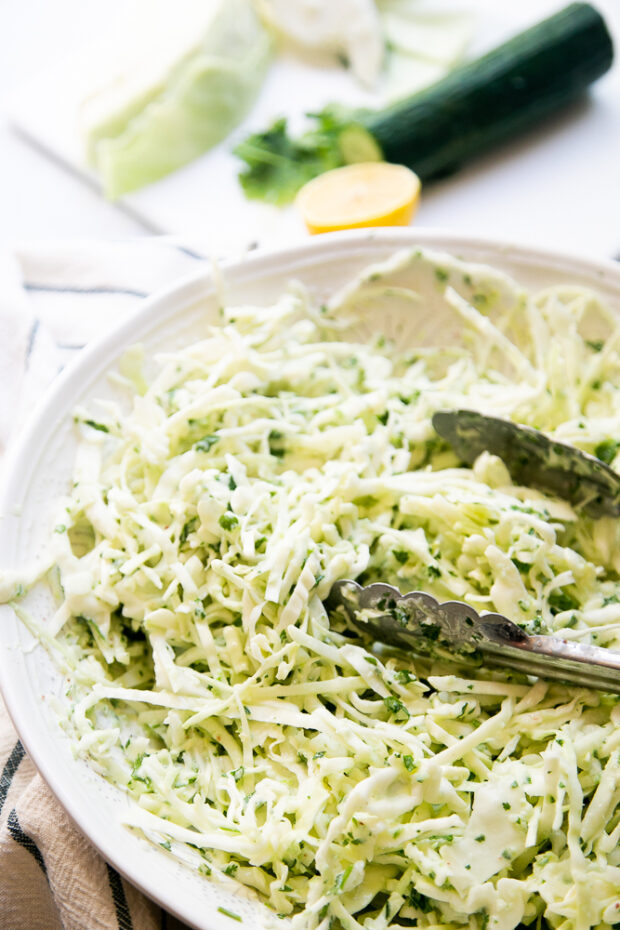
(24, 840)
(120, 901)
(184, 250)
(12, 764)
(66, 289)
(32, 336)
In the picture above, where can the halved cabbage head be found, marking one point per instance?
(186, 76)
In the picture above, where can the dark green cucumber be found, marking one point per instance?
(497, 96)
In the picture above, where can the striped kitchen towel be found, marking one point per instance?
(53, 300)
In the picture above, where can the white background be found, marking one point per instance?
(39, 199)
(557, 186)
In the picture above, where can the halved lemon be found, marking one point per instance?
(368, 194)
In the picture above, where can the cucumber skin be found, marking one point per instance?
(486, 101)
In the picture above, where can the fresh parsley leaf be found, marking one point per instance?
(606, 450)
(188, 528)
(278, 165)
(395, 706)
(204, 444)
(560, 601)
(98, 426)
(276, 443)
(418, 900)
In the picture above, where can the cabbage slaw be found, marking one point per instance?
(349, 785)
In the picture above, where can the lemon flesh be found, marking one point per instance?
(369, 194)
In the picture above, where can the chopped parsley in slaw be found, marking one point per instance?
(350, 785)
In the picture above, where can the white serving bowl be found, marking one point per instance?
(39, 470)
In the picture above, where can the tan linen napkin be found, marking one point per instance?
(54, 299)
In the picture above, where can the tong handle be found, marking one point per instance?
(552, 657)
(454, 631)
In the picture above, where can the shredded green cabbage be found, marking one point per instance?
(350, 785)
(190, 73)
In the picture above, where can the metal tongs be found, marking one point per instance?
(455, 631)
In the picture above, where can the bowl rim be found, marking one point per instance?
(175, 298)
